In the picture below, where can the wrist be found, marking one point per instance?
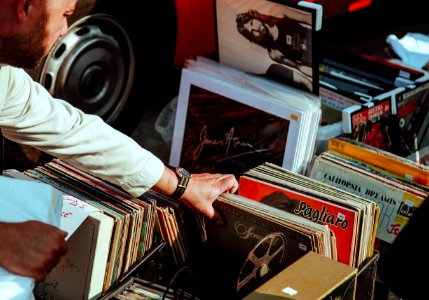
(183, 177)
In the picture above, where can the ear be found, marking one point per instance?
(22, 9)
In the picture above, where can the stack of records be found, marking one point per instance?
(352, 219)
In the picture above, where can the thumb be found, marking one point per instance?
(217, 218)
(214, 216)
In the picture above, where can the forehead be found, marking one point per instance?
(56, 6)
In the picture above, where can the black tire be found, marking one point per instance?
(116, 61)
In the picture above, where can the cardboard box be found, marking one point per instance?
(311, 277)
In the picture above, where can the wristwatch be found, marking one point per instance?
(183, 176)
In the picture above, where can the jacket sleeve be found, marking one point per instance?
(30, 115)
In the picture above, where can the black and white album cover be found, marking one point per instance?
(273, 39)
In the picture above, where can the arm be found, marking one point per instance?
(287, 75)
(31, 248)
(31, 116)
(277, 56)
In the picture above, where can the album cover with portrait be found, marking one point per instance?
(277, 39)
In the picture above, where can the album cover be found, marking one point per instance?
(226, 122)
(374, 124)
(343, 220)
(254, 243)
(80, 274)
(356, 116)
(392, 164)
(412, 107)
(397, 203)
(277, 39)
(311, 194)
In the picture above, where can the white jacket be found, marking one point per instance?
(30, 115)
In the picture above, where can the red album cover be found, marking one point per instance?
(341, 220)
(374, 124)
(413, 120)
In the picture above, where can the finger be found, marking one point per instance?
(63, 249)
(210, 213)
(232, 190)
(229, 184)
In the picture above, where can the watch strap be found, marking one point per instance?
(183, 177)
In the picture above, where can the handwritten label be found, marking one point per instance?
(74, 212)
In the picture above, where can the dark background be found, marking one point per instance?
(364, 31)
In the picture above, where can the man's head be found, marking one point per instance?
(252, 28)
(29, 28)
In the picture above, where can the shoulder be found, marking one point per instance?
(13, 80)
(15, 85)
(10, 76)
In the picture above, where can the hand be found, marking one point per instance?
(31, 248)
(203, 189)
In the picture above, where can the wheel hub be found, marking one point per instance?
(92, 67)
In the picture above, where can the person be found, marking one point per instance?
(29, 115)
(288, 42)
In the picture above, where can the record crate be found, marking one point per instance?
(159, 277)
(365, 285)
(137, 288)
(366, 277)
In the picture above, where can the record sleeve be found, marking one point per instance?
(412, 106)
(342, 220)
(228, 121)
(253, 244)
(282, 45)
(376, 69)
(396, 202)
(398, 166)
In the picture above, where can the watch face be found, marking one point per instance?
(182, 172)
